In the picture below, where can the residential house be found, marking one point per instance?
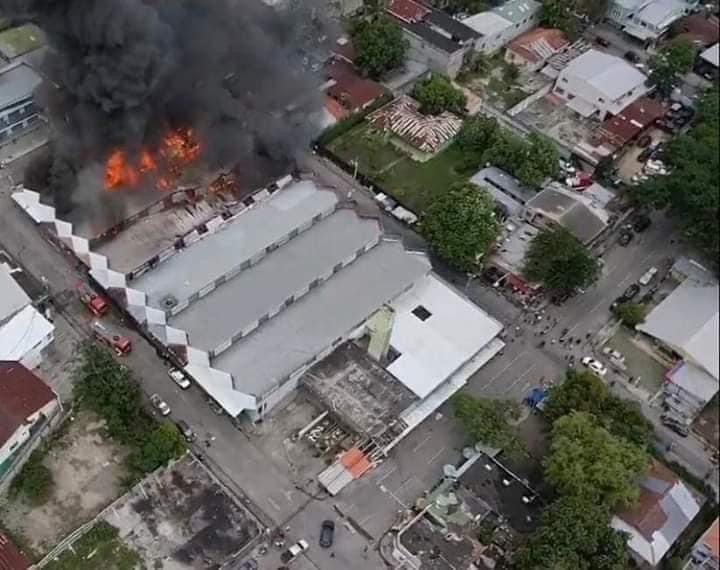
(531, 50)
(11, 557)
(701, 29)
(652, 20)
(502, 24)
(705, 555)
(597, 84)
(630, 123)
(436, 39)
(708, 62)
(421, 136)
(509, 194)
(663, 511)
(17, 107)
(685, 325)
(347, 90)
(580, 213)
(26, 402)
(24, 331)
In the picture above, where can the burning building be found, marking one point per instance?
(137, 91)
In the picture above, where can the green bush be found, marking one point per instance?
(34, 482)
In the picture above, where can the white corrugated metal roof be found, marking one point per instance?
(432, 350)
(12, 296)
(22, 333)
(712, 55)
(607, 73)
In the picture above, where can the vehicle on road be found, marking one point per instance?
(294, 551)
(595, 365)
(602, 42)
(644, 141)
(118, 343)
(628, 295)
(679, 425)
(648, 276)
(160, 405)
(96, 304)
(625, 238)
(327, 533)
(641, 222)
(185, 430)
(631, 56)
(179, 378)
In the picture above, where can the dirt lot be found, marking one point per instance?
(87, 471)
(182, 519)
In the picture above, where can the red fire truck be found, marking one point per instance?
(108, 336)
(95, 303)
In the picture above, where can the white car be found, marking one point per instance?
(594, 365)
(160, 405)
(648, 276)
(179, 378)
(294, 551)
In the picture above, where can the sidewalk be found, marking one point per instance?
(25, 143)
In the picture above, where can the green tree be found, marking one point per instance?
(540, 161)
(583, 391)
(437, 94)
(34, 482)
(560, 261)
(486, 420)
(574, 533)
(163, 444)
(461, 226)
(559, 14)
(670, 65)
(475, 137)
(691, 187)
(594, 10)
(580, 391)
(507, 151)
(586, 461)
(106, 387)
(631, 314)
(379, 46)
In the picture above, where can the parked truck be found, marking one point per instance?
(96, 304)
(109, 337)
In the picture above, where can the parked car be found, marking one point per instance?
(679, 425)
(595, 365)
(641, 222)
(185, 430)
(645, 141)
(625, 238)
(629, 293)
(646, 154)
(648, 276)
(294, 551)
(327, 533)
(160, 405)
(602, 42)
(179, 378)
(631, 56)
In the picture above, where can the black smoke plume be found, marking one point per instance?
(121, 73)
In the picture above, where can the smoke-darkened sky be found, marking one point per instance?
(120, 73)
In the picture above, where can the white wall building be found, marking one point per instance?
(17, 106)
(502, 24)
(596, 84)
(24, 331)
(25, 401)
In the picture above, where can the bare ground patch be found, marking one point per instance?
(87, 468)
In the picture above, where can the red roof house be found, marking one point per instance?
(699, 29)
(22, 395)
(407, 10)
(630, 122)
(535, 47)
(11, 558)
(348, 88)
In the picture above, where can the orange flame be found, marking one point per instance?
(177, 149)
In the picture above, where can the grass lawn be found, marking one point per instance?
(99, 548)
(21, 40)
(413, 183)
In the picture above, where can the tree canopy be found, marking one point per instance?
(565, 14)
(586, 461)
(486, 420)
(461, 225)
(691, 187)
(583, 391)
(476, 136)
(560, 261)
(379, 46)
(163, 443)
(530, 160)
(631, 314)
(437, 94)
(574, 533)
(670, 65)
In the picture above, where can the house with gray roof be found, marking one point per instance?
(582, 215)
(17, 106)
(502, 24)
(662, 512)
(596, 84)
(686, 325)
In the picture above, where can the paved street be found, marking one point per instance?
(370, 505)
